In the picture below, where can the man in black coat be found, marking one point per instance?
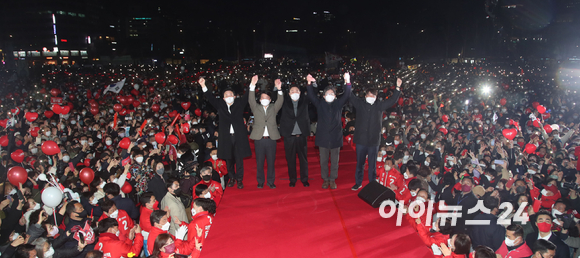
(467, 200)
(295, 128)
(329, 129)
(492, 234)
(113, 192)
(367, 133)
(544, 225)
(233, 134)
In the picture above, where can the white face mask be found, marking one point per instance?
(405, 158)
(295, 96)
(122, 135)
(214, 157)
(229, 100)
(66, 158)
(329, 98)
(179, 155)
(108, 142)
(49, 253)
(387, 168)
(83, 142)
(509, 242)
(47, 133)
(405, 176)
(139, 159)
(420, 199)
(193, 212)
(531, 171)
(165, 226)
(53, 231)
(114, 214)
(371, 100)
(413, 194)
(37, 207)
(383, 152)
(423, 136)
(265, 102)
(379, 159)
(207, 195)
(426, 163)
(62, 127)
(396, 142)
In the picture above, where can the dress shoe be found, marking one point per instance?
(260, 185)
(292, 184)
(232, 183)
(240, 185)
(332, 184)
(272, 186)
(325, 184)
(306, 184)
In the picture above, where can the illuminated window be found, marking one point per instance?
(72, 14)
(74, 53)
(81, 15)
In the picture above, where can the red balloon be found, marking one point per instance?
(198, 112)
(94, 110)
(135, 92)
(151, 89)
(160, 137)
(130, 100)
(87, 175)
(535, 104)
(127, 188)
(172, 114)
(548, 128)
(536, 123)
(17, 175)
(136, 103)
(50, 148)
(3, 122)
(173, 139)
(530, 148)
(71, 97)
(65, 109)
(57, 109)
(4, 141)
(546, 116)
(48, 114)
(34, 131)
(401, 101)
(54, 92)
(186, 105)
(125, 143)
(87, 162)
(541, 109)
(145, 82)
(17, 155)
(445, 118)
(185, 127)
(123, 112)
(31, 116)
(43, 81)
(117, 107)
(443, 130)
(155, 107)
(503, 101)
(510, 134)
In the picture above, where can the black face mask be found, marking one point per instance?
(206, 177)
(177, 191)
(389, 153)
(82, 215)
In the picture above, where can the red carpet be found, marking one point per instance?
(306, 222)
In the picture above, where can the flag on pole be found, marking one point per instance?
(115, 87)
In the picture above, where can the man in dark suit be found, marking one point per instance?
(113, 192)
(467, 200)
(544, 225)
(295, 128)
(491, 235)
(233, 135)
(265, 131)
(367, 135)
(329, 128)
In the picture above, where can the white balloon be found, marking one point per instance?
(136, 86)
(51, 197)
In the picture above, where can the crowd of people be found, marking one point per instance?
(143, 165)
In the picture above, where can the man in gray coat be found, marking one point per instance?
(265, 130)
(176, 209)
(329, 130)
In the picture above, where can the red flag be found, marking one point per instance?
(115, 121)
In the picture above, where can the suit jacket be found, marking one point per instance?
(289, 119)
(235, 119)
(127, 205)
(263, 119)
(176, 210)
(562, 249)
(329, 126)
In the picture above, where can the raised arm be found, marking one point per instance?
(208, 95)
(347, 90)
(279, 101)
(311, 95)
(252, 93)
(394, 98)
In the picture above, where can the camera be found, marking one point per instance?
(571, 186)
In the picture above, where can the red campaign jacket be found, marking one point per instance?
(423, 218)
(113, 247)
(184, 247)
(145, 219)
(217, 194)
(204, 221)
(391, 177)
(522, 251)
(219, 165)
(125, 223)
(431, 238)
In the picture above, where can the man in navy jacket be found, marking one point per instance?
(367, 133)
(329, 130)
